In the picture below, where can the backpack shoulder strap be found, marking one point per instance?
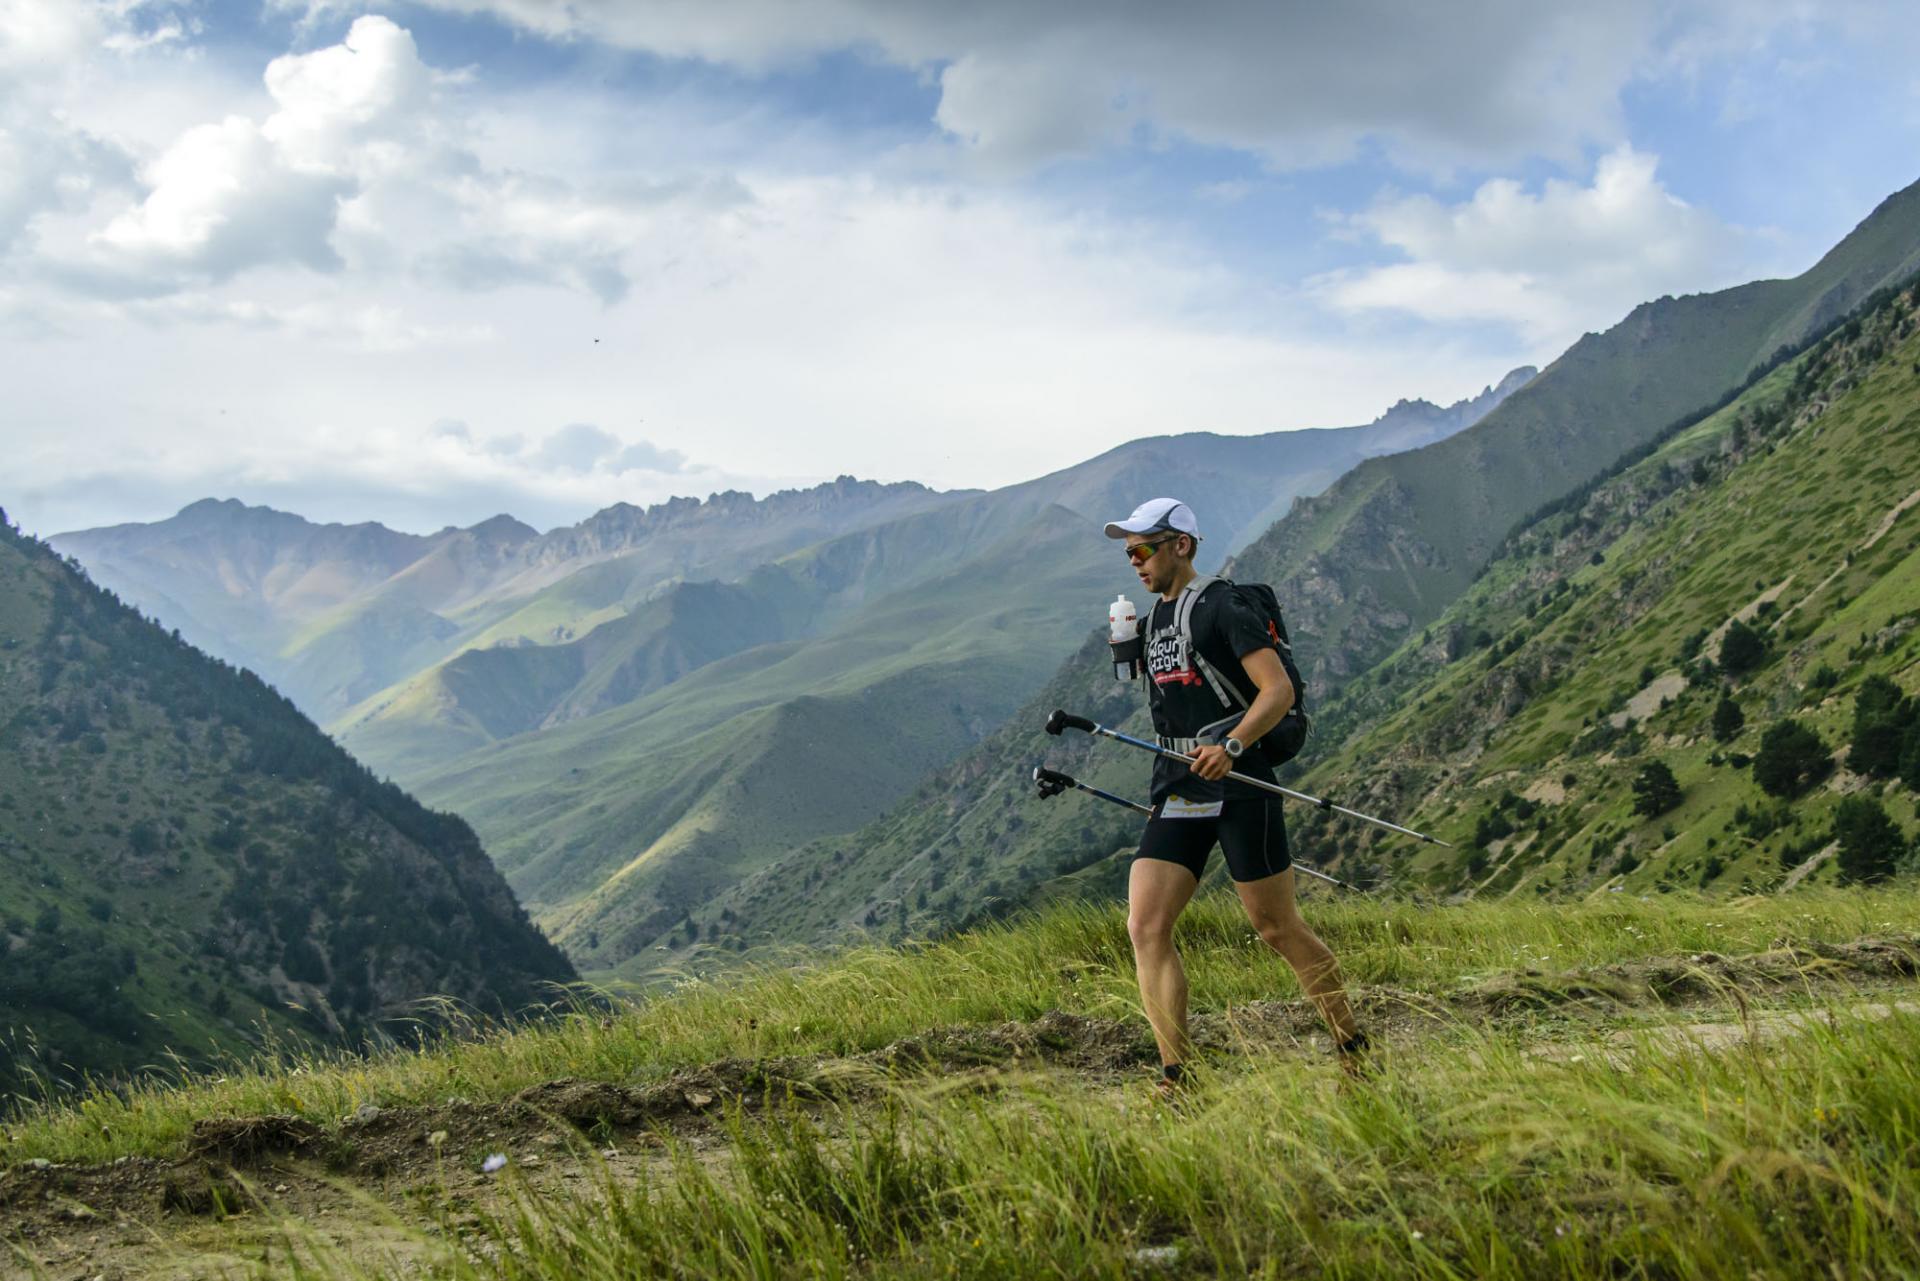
(1183, 608)
(1223, 689)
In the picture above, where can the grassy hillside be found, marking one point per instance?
(1581, 620)
(1666, 1086)
(614, 827)
(970, 842)
(186, 863)
(1386, 549)
(1592, 648)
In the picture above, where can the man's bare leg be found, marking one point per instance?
(1157, 892)
(1270, 906)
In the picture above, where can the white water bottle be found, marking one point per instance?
(1123, 635)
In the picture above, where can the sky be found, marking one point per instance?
(426, 262)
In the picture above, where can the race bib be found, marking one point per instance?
(1180, 807)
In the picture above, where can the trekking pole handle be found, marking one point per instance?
(1065, 720)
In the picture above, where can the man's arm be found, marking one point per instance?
(1274, 701)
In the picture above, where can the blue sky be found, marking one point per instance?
(423, 262)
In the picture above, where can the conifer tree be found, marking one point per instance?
(1655, 790)
(1742, 650)
(1791, 757)
(1728, 719)
(1881, 715)
(1871, 843)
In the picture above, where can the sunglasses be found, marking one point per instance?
(1141, 553)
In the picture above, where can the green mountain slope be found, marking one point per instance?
(613, 827)
(1384, 550)
(1764, 501)
(186, 861)
(1593, 647)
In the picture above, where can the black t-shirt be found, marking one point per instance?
(1224, 628)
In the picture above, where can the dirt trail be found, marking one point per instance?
(1619, 1048)
(1884, 528)
(385, 1185)
(1745, 614)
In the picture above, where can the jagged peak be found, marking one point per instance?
(1512, 381)
(504, 528)
(206, 506)
(732, 501)
(1515, 380)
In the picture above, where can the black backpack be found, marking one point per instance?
(1236, 693)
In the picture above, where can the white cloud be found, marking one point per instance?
(1550, 263)
(39, 37)
(646, 456)
(356, 245)
(831, 325)
(367, 164)
(220, 200)
(238, 194)
(415, 482)
(371, 327)
(1438, 85)
(47, 166)
(332, 99)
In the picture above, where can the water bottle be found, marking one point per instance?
(1123, 637)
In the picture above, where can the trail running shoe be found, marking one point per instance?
(1173, 1087)
(1355, 1056)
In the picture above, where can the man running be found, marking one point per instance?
(1197, 806)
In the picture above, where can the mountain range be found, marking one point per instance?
(628, 738)
(814, 716)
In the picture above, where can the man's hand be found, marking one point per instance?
(1212, 763)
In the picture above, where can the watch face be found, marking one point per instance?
(1234, 748)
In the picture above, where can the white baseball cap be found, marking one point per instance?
(1157, 513)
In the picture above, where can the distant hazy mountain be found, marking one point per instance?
(330, 614)
(184, 857)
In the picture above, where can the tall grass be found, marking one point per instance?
(1072, 957)
(1785, 1159)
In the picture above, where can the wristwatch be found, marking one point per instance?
(1234, 747)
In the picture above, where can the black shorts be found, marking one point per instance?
(1252, 832)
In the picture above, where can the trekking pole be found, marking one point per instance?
(1062, 720)
(1052, 782)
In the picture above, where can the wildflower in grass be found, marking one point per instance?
(497, 1161)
